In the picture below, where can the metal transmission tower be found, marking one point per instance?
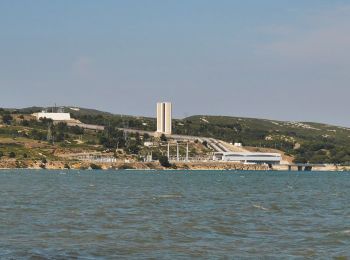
(125, 126)
(49, 133)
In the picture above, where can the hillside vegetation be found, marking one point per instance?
(307, 142)
(25, 140)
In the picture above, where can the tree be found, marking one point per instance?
(163, 138)
(146, 136)
(25, 122)
(112, 138)
(62, 127)
(12, 155)
(37, 135)
(77, 130)
(133, 148)
(59, 137)
(164, 161)
(1, 154)
(7, 118)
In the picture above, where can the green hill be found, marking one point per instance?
(306, 141)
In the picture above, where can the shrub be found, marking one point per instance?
(12, 155)
(7, 118)
(83, 167)
(164, 161)
(125, 167)
(25, 123)
(95, 166)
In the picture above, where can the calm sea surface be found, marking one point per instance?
(173, 215)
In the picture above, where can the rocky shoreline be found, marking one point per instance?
(80, 165)
(122, 165)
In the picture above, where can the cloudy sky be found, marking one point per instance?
(277, 59)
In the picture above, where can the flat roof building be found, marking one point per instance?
(164, 118)
(56, 114)
(248, 157)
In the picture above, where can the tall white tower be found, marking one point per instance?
(164, 117)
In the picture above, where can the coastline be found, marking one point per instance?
(121, 165)
(83, 165)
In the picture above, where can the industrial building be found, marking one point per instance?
(249, 157)
(58, 115)
(164, 117)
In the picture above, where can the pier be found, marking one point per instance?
(301, 166)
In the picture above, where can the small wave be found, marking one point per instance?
(274, 207)
(259, 207)
(169, 196)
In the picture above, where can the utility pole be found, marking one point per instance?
(187, 152)
(168, 150)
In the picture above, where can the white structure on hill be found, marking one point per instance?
(164, 117)
(249, 157)
(55, 116)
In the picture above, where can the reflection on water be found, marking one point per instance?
(114, 214)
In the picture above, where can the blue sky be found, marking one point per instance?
(286, 60)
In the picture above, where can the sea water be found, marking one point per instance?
(173, 214)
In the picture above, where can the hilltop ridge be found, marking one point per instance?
(305, 141)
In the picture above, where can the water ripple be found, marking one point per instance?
(169, 215)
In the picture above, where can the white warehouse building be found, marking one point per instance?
(248, 157)
(53, 116)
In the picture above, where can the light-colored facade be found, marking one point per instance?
(164, 117)
(248, 157)
(53, 116)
